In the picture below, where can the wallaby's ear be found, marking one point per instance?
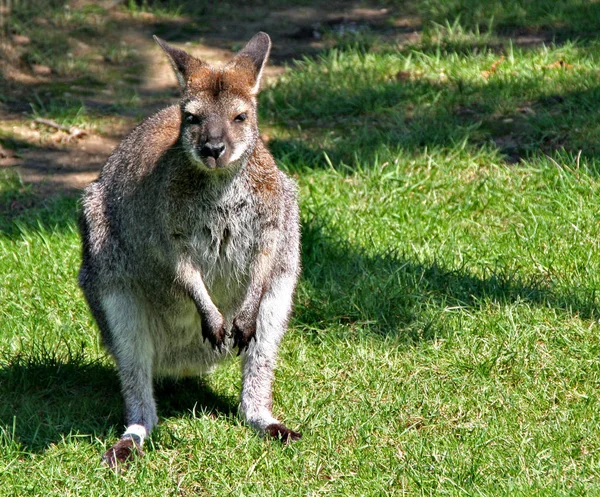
(183, 63)
(252, 59)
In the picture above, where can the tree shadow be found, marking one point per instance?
(534, 23)
(367, 121)
(299, 28)
(24, 209)
(84, 53)
(393, 295)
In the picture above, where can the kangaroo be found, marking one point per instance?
(191, 245)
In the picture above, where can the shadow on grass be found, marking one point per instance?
(46, 398)
(179, 396)
(24, 210)
(355, 125)
(536, 22)
(87, 51)
(396, 296)
(298, 28)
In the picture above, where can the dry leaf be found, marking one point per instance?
(21, 39)
(41, 70)
(559, 64)
(403, 75)
(493, 68)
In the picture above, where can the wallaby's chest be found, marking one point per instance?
(220, 240)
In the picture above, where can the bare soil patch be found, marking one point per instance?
(53, 164)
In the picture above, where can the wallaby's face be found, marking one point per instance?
(218, 128)
(218, 107)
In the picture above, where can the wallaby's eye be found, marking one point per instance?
(241, 118)
(192, 119)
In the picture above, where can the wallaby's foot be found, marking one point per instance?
(120, 453)
(243, 331)
(213, 330)
(282, 433)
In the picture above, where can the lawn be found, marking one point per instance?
(445, 339)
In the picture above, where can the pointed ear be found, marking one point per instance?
(252, 59)
(184, 65)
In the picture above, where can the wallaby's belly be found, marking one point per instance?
(180, 349)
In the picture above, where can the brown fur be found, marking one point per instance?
(282, 433)
(122, 452)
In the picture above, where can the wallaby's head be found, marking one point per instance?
(218, 105)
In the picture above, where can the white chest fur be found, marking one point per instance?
(222, 249)
(217, 232)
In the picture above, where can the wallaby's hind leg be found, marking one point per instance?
(259, 361)
(132, 348)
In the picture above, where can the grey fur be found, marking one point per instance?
(188, 255)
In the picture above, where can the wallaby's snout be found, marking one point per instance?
(212, 150)
(211, 144)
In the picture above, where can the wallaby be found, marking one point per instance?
(191, 245)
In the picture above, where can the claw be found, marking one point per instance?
(282, 433)
(242, 337)
(243, 348)
(120, 454)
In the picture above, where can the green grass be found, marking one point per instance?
(562, 18)
(445, 337)
(434, 97)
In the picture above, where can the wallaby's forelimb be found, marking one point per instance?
(212, 322)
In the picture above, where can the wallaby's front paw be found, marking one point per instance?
(213, 329)
(243, 331)
(282, 433)
(120, 453)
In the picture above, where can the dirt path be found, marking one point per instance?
(53, 162)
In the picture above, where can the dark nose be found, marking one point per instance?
(215, 150)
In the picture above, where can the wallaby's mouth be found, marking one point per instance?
(211, 162)
(208, 162)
